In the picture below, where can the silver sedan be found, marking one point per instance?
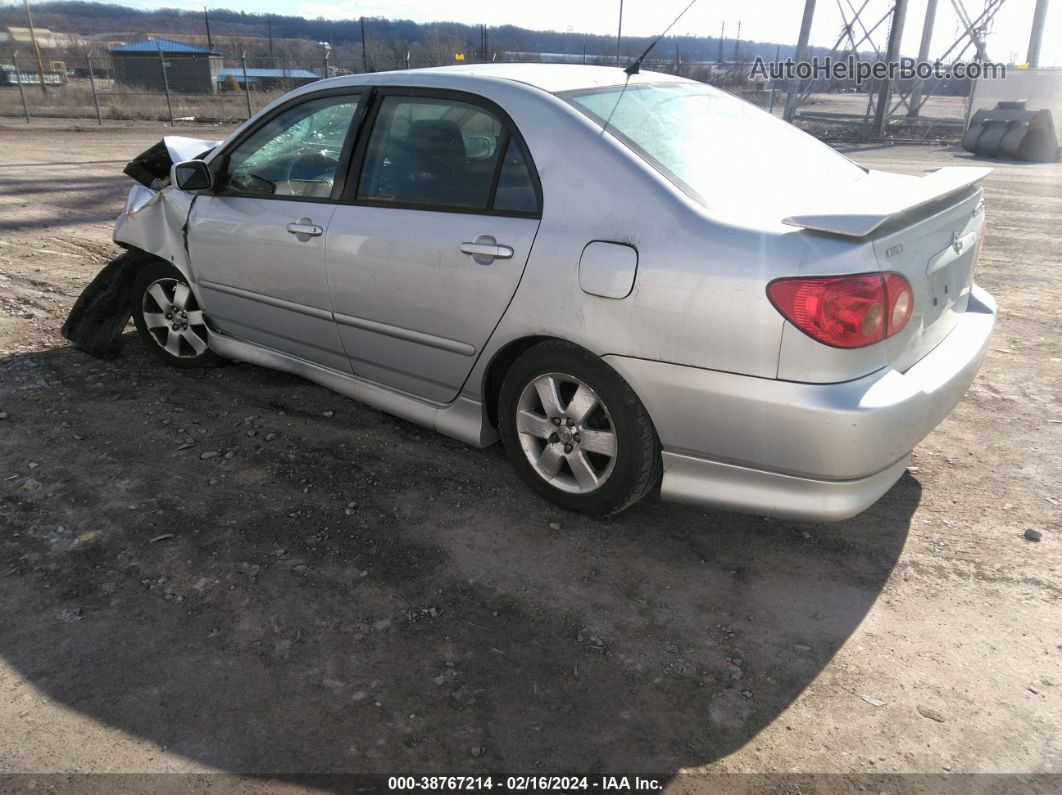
(634, 282)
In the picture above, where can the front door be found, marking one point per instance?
(429, 245)
(257, 245)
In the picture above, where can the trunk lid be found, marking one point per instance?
(935, 249)
(927, 228)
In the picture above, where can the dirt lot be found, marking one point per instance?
(342, 591)
(935, 107)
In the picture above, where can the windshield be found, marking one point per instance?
(722, 151)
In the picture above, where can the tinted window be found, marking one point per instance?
(515, 190)
(296, 153)
(440, 153)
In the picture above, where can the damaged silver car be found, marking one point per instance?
(634, 281)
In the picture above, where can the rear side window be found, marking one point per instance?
(515, 191)
(435, 153)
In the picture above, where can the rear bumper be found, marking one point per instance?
(698, 481)
(809, 451)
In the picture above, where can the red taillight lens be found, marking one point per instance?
(845, 311)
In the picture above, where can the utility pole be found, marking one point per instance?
(737, 49)
(36, 49)
(246, 82)
(881, 113)
(21, 90)
(770, 85)
(619, 34)
(793, 89)
(1037, 34)
(364, 51)
(165, 81)
(923, 54)
(722, 39)
(327, 48)
(206, 18)
(269, 29)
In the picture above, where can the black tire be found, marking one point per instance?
(165, 275)
(636, 468)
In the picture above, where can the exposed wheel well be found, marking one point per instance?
(499, 367)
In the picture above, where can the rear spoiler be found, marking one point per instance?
(871, 202)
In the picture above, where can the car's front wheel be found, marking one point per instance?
(169, 319)
(576, 432)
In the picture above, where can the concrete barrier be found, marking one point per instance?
(1012, 131)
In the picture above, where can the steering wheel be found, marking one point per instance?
(309, 171)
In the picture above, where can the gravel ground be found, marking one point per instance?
(338, 590)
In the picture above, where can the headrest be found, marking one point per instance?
(436, 138)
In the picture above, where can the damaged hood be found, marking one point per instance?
(151, 168)
(181, 148)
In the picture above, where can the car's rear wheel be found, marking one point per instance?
(576, 432)
(169, 319)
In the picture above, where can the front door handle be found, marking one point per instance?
(485, 249)
(304, 229)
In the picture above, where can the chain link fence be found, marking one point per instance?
(203, 87)
(163, 86)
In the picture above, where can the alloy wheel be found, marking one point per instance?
(566, 432)
(173, 318)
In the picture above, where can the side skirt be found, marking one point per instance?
(464, 419)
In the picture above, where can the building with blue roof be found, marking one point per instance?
(266, 79)
(156, 64)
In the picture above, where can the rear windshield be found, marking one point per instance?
(720, 150)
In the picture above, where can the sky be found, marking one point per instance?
(762, 20)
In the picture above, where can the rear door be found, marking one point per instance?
(257, 245)
(430, 242)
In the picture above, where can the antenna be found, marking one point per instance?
(634, 68)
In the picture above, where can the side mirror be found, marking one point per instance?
(191, 175)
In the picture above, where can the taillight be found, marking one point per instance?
(845, 311)
(900, 302)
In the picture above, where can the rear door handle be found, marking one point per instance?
(485, 249)
(304, 229)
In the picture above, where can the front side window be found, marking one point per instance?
(296, 153)
(722, 151)
(444, 154)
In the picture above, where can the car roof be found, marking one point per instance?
(550, 77)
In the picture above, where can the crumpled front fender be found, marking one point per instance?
(152, 224)
(154, 221)
(155, 213)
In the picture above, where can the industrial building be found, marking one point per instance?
(158, 64)
(267, 79)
